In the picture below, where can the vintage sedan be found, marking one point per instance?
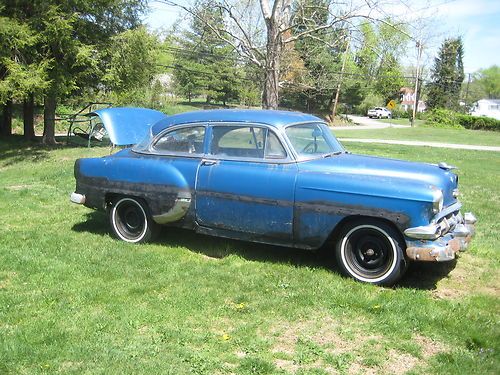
(279, 178)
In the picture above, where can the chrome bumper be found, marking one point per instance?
(77, 198)
(440, 242)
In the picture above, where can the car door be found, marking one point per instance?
(246, 184)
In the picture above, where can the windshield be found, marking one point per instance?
(314, 139)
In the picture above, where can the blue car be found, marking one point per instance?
(279, 178)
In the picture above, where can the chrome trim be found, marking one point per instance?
(446, 211)
(445, 166)
(149, 150)
(437, 200)
(426, 232)
(453, 239)
(470, 218)
(177, 212)
(77, 198)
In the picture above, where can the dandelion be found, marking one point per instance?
(225, 337)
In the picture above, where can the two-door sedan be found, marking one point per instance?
(279, 178)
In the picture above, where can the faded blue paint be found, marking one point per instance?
(247, 197)
(298, 203)
(276, 119)
(127, 126)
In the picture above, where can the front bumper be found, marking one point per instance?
(440, 242)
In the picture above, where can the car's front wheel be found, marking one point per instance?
(371, 251)
(130, 220)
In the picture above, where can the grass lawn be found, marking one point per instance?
(75, 300)
(422, 133)
(402, 121)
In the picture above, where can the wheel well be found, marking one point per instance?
(110, 197)
(349, 219)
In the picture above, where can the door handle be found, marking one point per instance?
(209, 162)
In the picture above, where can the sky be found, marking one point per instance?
(476, 21)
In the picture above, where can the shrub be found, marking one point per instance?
(449, 119)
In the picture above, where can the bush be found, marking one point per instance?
(399, 112)
(449, 119)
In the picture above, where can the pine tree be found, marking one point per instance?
(447, 75)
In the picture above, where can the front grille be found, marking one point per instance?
(449, 222)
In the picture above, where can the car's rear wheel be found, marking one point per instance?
(371, 251)
(130, 220)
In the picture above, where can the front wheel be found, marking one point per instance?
(371, 251)
(130, 220)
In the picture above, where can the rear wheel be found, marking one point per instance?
(371, 251)
(130, 220)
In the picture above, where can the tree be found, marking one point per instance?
(205, 64)
(488, 81)
(447, 75)
(247, 35)
(132, 57)
(69, 36)
(20, 78)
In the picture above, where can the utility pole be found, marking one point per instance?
(334, 110)
(417, 71)
(467, 91)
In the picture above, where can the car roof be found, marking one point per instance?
(260, 116)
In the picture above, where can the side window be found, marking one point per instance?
(187, 140)
(274, 148)
(244, 141)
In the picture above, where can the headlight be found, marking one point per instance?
(437, 202)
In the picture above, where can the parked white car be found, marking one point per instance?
(379, 112)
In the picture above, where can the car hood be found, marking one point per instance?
(127, 126)
(383, 174)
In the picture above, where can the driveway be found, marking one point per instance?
(364, 123)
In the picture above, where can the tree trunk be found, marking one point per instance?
(49, 116)
(28, 117)
(270, 97)
(7, 119)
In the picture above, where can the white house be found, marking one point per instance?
(407, 97)
(487, 108)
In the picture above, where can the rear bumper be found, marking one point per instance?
(444, 247)
(77, 198)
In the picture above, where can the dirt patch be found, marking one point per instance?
(6, 279)
(399, 363)
(429, 347)
(336, 338)
(287, 365)
(467, 277)
(359, 369)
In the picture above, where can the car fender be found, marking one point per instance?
(159, 183)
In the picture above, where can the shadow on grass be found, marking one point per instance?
(95, 222)
(425, 275)
(16, 149)
(216, 247)
(421, 275)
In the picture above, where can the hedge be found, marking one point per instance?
(447, 118)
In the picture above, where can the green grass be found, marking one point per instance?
(460, 136)
(75, 300)
(402, 121)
